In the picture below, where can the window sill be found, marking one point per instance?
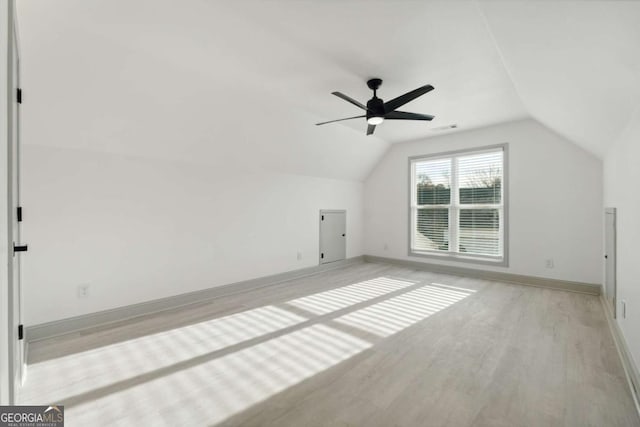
(456, 257)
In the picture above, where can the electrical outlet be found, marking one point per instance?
(83, 290)
(299, 255)
(548, 263)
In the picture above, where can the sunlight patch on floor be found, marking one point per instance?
(393, 315)
(336, 299)
(52, 380)
(213, 391)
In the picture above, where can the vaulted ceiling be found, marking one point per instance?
(574, 64)
(224, 83)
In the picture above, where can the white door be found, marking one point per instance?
(333, 236)
(16, 341)
(610, 258)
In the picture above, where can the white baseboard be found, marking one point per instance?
(101, 318)
(630, 368)
(541, 282)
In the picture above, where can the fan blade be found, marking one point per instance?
(370, 129)
(349, 99)
(409, 96)
(339, 120)
(403, 115)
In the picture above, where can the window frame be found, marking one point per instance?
(455, 206)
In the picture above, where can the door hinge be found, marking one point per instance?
(20, 332)
(19, 95)
(321, 256)
(322, 217)
(20, 248)
(19, 213)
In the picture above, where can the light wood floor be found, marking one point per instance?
(365, 345)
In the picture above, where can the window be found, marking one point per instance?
(458, 205)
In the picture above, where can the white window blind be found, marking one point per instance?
(457, 205)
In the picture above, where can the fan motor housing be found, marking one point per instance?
(375, 107)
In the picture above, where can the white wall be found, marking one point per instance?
(139, 229)
(555, 201)
(621, 178)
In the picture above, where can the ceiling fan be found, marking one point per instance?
(378, 111)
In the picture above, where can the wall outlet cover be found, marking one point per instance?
(83, 290)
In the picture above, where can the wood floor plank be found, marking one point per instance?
(421, 349)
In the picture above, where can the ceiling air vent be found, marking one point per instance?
(447, 127)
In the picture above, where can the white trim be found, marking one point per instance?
(16, 347)
(630, 369)
(498, 276)
(454, 210)
(5, 355)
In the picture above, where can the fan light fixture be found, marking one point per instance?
(375, 120)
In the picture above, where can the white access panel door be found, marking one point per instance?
(333, 235)
(610, 258)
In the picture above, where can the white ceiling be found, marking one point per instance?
(575, 64)
(226, 82)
